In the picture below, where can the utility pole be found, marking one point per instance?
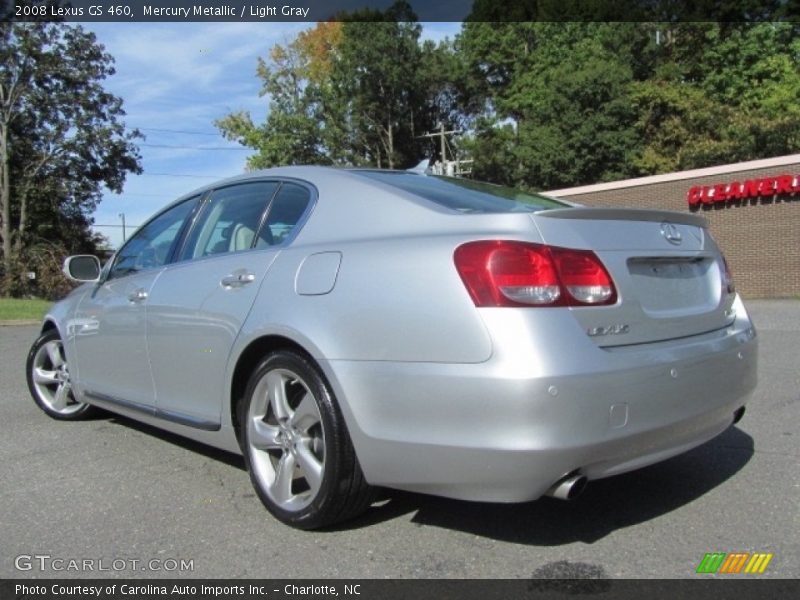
(444, 166)
(442, 135)
(122, 216)
(443, 141)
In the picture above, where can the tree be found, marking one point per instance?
(560, 104)
(377, 74)
(62, 137)
(295, 80)
(544, 104)
(359, 91)
(552, 99)
(719, 93)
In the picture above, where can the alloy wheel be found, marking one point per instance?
(51, 381)
(287, 439)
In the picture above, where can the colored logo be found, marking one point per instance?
(734, 563)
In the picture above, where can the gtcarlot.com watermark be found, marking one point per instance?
(57, 564)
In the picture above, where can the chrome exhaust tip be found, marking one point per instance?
(568, 488)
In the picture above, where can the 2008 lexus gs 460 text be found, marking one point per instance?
(349, 329)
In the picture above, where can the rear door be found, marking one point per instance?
(199, 304)
(669, 273)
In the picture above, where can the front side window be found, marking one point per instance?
(152, 245)
(230, 220)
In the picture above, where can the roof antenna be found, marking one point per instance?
(423, 168)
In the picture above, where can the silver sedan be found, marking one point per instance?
(349, 329)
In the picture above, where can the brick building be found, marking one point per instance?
(753, 209)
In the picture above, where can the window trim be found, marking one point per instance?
(201, 199)
(208, 194)
(198, 200)
(312, 202)
(189, 225)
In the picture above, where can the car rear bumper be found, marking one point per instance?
(507, 429)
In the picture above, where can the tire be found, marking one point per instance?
(49, 383)
(296, 445)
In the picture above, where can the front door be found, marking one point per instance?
(110, 338)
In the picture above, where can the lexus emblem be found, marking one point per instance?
(671, 233)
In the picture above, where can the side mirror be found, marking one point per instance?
(83, 268)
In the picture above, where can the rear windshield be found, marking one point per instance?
(464, 195)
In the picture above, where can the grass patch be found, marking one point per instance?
(16, 309)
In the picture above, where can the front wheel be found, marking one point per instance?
(296, 445)
(49, 380)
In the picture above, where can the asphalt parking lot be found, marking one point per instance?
(112, 489)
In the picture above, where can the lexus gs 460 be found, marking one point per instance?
(352, 329)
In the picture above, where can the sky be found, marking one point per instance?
(175, 80)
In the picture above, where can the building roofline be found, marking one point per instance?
(765, 163)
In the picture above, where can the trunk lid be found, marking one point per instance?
(668, 272)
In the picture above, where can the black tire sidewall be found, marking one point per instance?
(84, 411)
(317, 512)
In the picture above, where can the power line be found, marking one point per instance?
(185, 175)
(194, 147)
(143, 195)
(178, 131)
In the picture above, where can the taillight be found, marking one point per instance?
(584, 276)
(727, 277)
(511, 273)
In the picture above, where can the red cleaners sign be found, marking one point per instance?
(765, 187)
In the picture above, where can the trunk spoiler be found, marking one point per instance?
(623, 214)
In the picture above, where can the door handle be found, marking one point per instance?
(138, 296)
(236, 280)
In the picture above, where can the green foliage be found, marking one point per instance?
(561, 104)
(719, 94)
(44, 259)
(295, 82)
(544, 104)
(563, 90)
(62, 138)
(376, 79)
(359, 91)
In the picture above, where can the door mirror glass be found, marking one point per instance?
(83, 267)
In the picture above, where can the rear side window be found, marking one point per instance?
(285, 212)
(230, 220)
(464, 195)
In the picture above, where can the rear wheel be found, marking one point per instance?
(296, 446)
(49, 380)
